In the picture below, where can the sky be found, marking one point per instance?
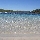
(24, 5)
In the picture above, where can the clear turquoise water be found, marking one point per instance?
(19, 23)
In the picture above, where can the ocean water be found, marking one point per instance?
(19, 23)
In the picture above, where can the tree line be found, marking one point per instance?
(2, 10)
(34, 11)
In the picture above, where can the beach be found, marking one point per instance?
(20, 37)
(29, 37)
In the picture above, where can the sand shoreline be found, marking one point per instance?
(19, 35)
(19, 38)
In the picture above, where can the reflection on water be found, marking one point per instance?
(21, 24)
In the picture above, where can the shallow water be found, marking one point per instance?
(19, 24)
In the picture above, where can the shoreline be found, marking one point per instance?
(19, 38)
(19, 35)
(27, 37)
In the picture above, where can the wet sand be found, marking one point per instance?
(20, 37)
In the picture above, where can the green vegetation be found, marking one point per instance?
(36, 11)
(2, 10)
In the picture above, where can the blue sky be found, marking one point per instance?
(20, 4)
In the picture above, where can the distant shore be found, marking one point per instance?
(37, 11)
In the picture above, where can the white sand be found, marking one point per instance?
(19, 38)
(22, 37)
